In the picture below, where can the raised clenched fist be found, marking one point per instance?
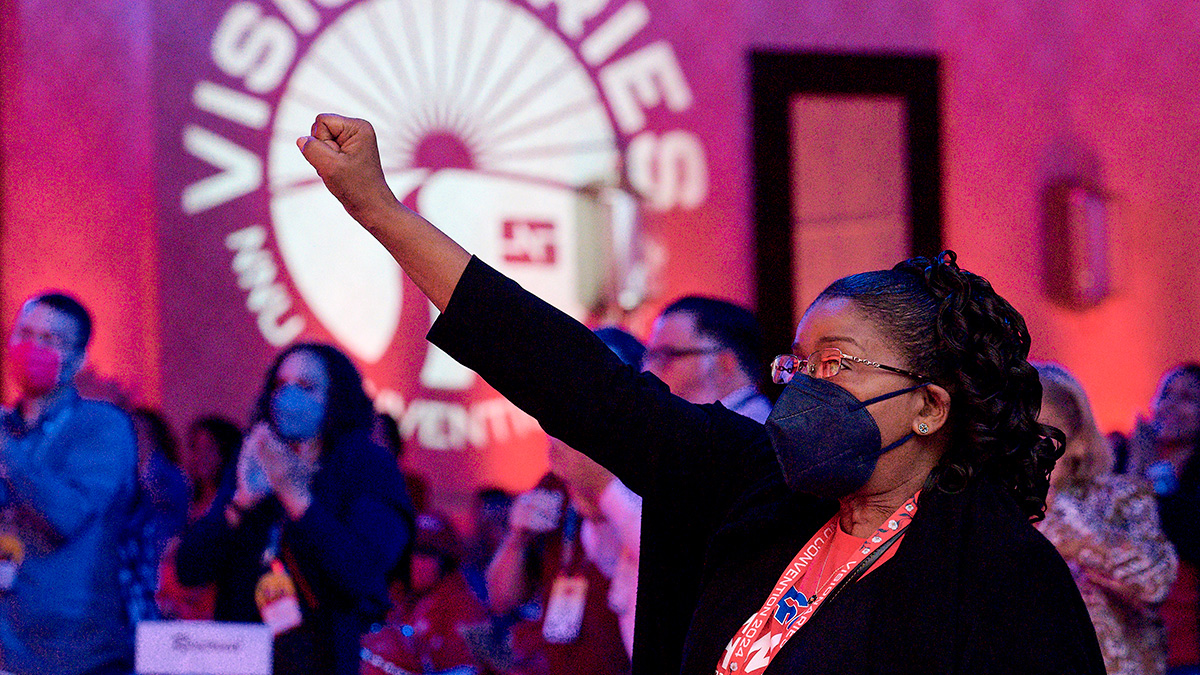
(345, 154)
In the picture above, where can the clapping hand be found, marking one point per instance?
(289, 471)
(536, 511)
(1122, 589)
(252, 483)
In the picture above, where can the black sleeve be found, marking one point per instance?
(355, 546)
(558, 371)
(1178, 512)
(205, 546)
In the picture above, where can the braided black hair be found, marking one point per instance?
(952, 326)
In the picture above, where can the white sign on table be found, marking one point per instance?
(202, 648)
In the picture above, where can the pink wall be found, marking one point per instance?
(1114, 80)
(1027, 86)
(78, 207)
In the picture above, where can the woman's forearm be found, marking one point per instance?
(506, 574)
(345, 154)
(434, 261)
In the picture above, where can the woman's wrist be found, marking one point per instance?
(233, 515)
(379, 213)
(243, 502)
(296, 504)
(518, 537)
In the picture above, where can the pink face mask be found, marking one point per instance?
(35, 367)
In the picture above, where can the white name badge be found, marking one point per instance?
(202, 648)
(8, 574)
(564, 609)
(282, 615)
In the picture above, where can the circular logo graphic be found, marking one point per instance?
(486, 121)
(536, 133)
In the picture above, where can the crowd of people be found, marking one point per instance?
(299, 523)
(304, 521)
(946, 504)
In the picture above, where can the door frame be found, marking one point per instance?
(775, 78)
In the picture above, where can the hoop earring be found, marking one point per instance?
(922, 428)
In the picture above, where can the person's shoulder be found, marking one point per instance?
(1012, 581)
(991, 524)
(102, 412)
(98, 406)
(1007, 547)
(1123, 487)
(757, 407)
(103, 416)
(982, 538)
(356, 454)
(92, 426)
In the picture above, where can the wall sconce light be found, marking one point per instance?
(1076, 231)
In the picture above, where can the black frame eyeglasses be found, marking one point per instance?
(665, 355)
(823, 364)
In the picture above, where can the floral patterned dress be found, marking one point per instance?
(1108, 532)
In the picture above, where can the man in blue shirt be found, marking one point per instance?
(67, 472)
(707, 351)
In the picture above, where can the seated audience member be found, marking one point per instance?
(706, 351)
(1106, 527)
(1163, 451)
(68, 468)
(163, 483)
(560, 598)
(212, 449)
(305, 529)
(425, 635)
(490, 509)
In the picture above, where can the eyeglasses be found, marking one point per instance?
(56, 341)
(823, 364)
(667, 354)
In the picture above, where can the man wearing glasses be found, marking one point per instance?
(707, 350)
(67, 472)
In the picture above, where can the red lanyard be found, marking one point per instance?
(787, 608)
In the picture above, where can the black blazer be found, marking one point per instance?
(973, 587)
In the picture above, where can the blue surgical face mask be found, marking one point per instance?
(826, 441)
(296, 414)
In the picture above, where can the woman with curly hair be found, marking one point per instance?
(1106, 528)
(310, 519)
(879, 523)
